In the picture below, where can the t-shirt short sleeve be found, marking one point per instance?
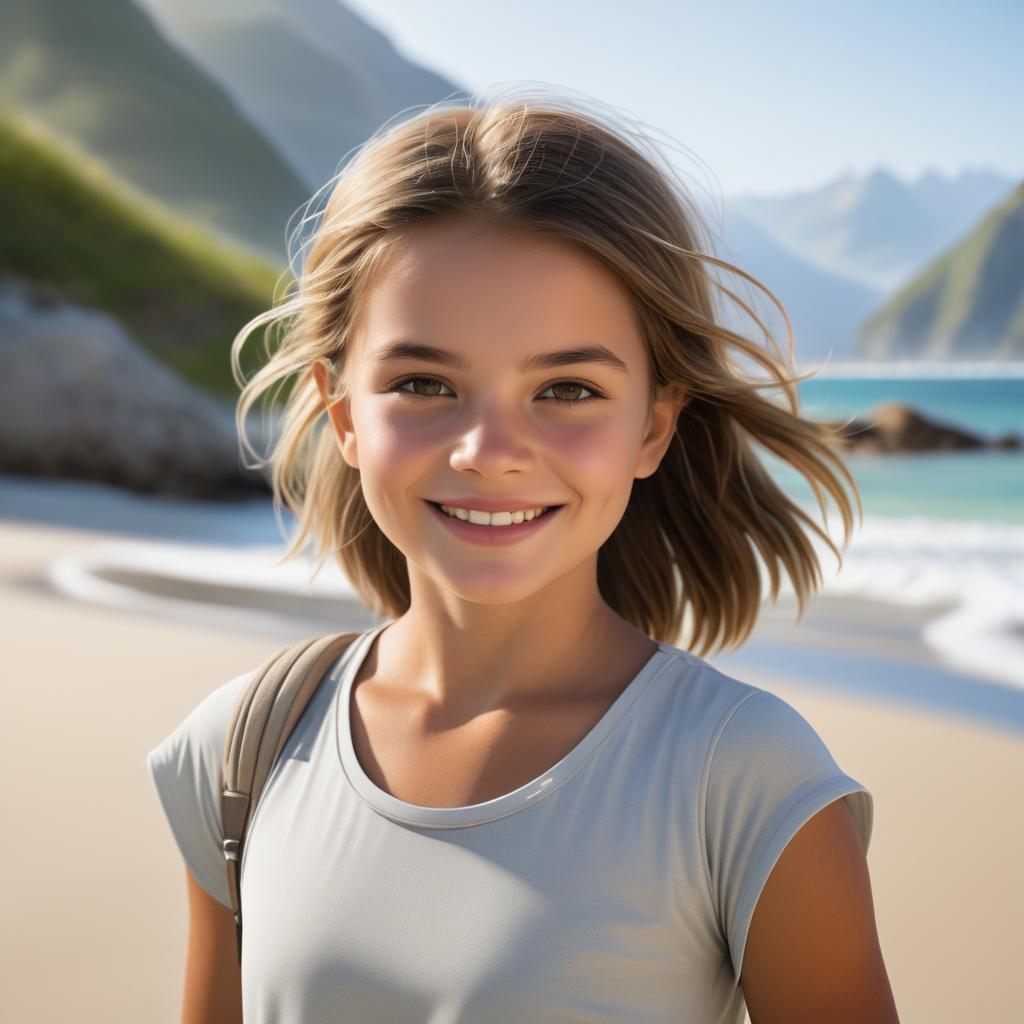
(768, 773)
(186, 768)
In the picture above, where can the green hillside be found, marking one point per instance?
(101, 73)
(73, 227)
(967, 304)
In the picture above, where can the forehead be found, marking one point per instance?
(465, 283)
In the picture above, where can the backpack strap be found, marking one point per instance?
(260, 724)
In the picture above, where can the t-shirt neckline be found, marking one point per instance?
(489, 810)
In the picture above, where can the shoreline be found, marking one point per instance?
(852, 646)
(843, 643)
(956, 583)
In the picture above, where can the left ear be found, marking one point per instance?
(661, 426)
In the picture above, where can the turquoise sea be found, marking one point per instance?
(941, 529)
(979, 486)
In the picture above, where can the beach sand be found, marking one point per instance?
(95, 915)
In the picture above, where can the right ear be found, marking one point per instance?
(341, 420)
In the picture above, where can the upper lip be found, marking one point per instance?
(493, 504)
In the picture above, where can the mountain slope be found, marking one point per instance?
(968, 304)
(314, 76)
(104, 75)
(73, 228)
(876, 229)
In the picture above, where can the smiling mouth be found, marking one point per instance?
(550, 508)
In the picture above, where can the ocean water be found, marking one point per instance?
(982, 486)
(941, 528)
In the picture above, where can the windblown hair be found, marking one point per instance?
(687, 546)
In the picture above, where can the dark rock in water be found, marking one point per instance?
(893, 427)
(79, 399)
(1008, 442)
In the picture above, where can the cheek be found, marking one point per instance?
(394, 457)
(389, 441)
(600, 455)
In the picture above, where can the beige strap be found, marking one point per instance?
(258, 729)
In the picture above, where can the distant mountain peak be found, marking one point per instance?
(876, 227)
(881, 187)
(881, 175)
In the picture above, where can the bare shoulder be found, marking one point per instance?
(812, 949)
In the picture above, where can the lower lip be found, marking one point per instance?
(480, 534)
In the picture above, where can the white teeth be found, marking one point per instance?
(472, 515)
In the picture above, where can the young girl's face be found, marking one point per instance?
(478, 420)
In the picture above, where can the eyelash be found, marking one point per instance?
(397, 389)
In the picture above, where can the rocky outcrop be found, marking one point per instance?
(893, 427)
(79, 399)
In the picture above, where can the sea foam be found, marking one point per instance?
(971, 572)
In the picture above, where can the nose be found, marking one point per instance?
(492, 444)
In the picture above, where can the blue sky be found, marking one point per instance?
(772, 97)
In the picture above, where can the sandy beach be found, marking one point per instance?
(95, 913)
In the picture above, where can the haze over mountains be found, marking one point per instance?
(877, 229)
(315, 77)
(233, 113)
(836, 255)
(825, 308)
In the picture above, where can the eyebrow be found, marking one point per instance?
(542, 361)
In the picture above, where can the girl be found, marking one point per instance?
(515, 798)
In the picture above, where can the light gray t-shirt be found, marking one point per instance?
(617, 886)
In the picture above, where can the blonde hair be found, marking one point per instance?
(688, 541)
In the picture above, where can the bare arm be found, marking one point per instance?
(812, 950)
(213, 980)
